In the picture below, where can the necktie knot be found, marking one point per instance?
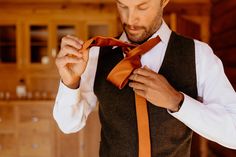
(126, 49)
(121, 72)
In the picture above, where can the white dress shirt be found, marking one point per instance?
(213, 118)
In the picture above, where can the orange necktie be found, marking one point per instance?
(119, 77)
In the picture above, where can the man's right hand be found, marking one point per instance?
(71, 61)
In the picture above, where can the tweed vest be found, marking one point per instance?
(169, 136)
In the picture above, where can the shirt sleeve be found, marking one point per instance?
(72, 106)
(214, 117)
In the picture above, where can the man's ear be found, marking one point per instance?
(164, 3)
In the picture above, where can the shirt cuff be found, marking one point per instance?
(66, 94)
(189, 107)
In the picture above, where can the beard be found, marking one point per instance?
(140, 34)
(135, 34)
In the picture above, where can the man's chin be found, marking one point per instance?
(135, 38)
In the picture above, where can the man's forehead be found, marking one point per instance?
(133, 2)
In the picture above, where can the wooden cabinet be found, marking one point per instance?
(33, 39)
(30, 41)
(27, 129)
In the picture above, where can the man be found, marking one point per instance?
(174, 74)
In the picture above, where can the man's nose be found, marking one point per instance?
(132, 18)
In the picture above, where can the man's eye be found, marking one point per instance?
(143, 7)
(122, 6)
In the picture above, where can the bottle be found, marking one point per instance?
(21, 92)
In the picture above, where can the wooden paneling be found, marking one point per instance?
(231, 73)
(188, 28)
(223, 42)
(227, 56)
(224, 23)
(223, 39)
(221, 7)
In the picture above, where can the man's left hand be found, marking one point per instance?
(155, 88)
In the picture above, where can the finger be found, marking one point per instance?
(144, 72)
(140, 78)
(139, 86)
(76, 38)
(68, 40)
(62, 61)
(69, 50)
(140, 93)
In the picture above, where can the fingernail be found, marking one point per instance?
(81, 42)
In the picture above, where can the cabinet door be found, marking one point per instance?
(8, 43)
(7, 119)
(101, 28)
(9, 46)
(38, 45)
(8, 145)
(68, 145)
(61, 29)
(91, 140)
(35, 131)
(84, 143)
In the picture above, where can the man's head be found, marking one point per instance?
(140, 18)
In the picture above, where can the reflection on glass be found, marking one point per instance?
(39, 43)
(95, 30)
(63, 30)
(8, 44)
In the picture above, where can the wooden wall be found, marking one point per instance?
(223, 38)
(223, 42)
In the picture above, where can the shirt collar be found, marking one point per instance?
(164, 32)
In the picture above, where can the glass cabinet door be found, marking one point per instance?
(97, 29)
(39, 36)
(63, 30)
(7, 44)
